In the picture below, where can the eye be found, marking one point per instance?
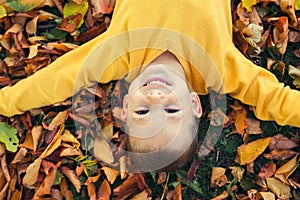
(168, 110)
(141, 112)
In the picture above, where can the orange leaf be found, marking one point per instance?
(65, 189)
(92, 191)
(104, 191)
(45, 187)
(32, 173)
(221, 196)
(111, 174)
(247, 153)
(178, 191)
(239, 115)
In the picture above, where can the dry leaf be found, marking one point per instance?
(288, 168)
(59, 119)
(68, 137)
(144, 195)
(288, 6)
(178, 191)
(221, 196)
(72, 177)
(253, 126)
(218, 177)
(162, 176)
(247, 153)
(280, 189)
(65, 189)
(111, 174)
(45, 187)
(102, 150)
(32, 173)
(239, 114)
(279, 155)
(280, 34)
(267, 195)
(267, 170)
(104, 191)
(295, 74)
(280, 142)
(237, 172)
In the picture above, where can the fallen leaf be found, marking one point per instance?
(126, 188)
(267, 170)
(162, 176)
(288, 6)
(111, 174)
(45, 187)
(104, 191)
(295, 74)
(239, 115)
(221, 196)
(72, 8)
(247, 153)
(218, 118)
(253, 126)
(280, 142)
(23, 5)
(144, 195)
(280, 34)
(59, 119)
(280, 189)
(8, 137)
(72, 177)
(267, 195)
(65, 189)
(248, 4)
(178, 191)
(32, 173)
(279, 155)
(237, 172)
(218, 177)
(288, 168)
(102, 150)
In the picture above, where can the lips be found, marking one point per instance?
(156, 83)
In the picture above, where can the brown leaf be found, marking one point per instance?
(92, 191)
(280, 142)
(104, 191)
(289, 167)
(127, 187)
(279, 154)
(267, 170)
(59, 119)
(288, 6)
(221, 196)
(65, 189)
(218, 118)
(144, 195)
(162, 176)
(280, 34)
(267, 195)
(253, 126)
(72, 177)
(45, 187)
(93, 179)
(19, 156)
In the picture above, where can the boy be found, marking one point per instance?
(197, 33)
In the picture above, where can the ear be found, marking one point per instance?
(125, 108)
(196, 104)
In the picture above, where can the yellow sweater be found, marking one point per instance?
(197, 32)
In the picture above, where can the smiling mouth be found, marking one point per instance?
(156, 82)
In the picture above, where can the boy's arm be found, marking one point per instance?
(259, 88)
(50, 85)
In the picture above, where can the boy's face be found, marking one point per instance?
(160, 110)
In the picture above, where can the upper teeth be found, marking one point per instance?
(156, 83)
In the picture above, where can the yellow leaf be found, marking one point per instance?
(59, 119)
(248, 4)
(2, 11)
(68, 137)
(72, 8)
(280, 189)
(23, 5)
(297, 5)
(37, 133)
(247, 153)
(289, 167)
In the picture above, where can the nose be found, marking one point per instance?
(155, 95)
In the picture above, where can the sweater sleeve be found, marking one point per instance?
(50, 85)
(259, 88)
